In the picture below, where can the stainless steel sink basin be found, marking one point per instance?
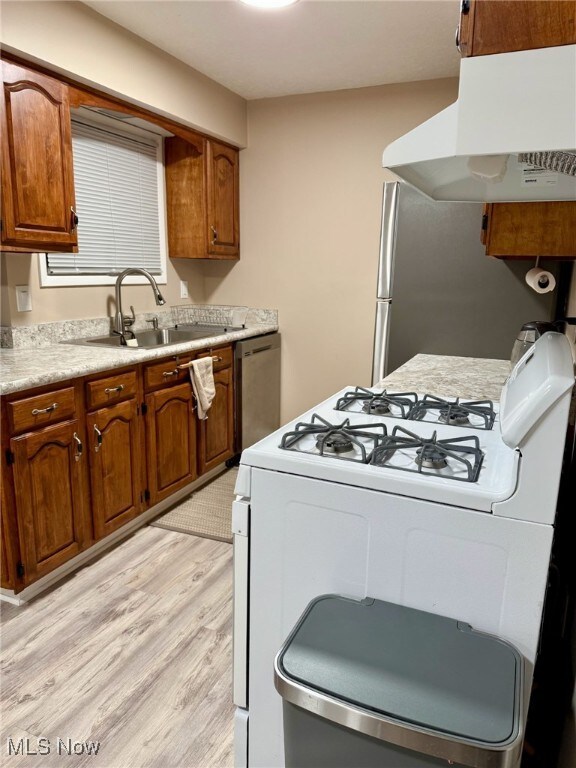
(158, 337)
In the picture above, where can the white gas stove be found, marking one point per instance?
(429, 502)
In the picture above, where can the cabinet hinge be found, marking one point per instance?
(484, 222)
(146, 495)
(144, 409)
(465, 6)
(10, 458)
(20, 570)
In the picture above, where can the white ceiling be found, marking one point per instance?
(315, 45)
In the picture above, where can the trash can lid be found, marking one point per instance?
(426, 670)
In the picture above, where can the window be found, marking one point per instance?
(119, 181)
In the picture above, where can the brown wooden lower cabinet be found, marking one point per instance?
(116, 478)
(83, 458)
(170, 440)
(50, 497)
(6, 564)
(216, 443)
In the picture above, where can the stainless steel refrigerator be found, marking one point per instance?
(438, 293)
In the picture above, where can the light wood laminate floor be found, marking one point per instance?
(133, 651)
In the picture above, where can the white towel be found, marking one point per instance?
(202, 378)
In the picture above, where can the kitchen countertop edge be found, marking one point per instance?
(27, 368)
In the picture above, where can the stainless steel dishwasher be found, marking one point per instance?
(257, 387)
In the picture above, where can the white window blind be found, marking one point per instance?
(116, 177)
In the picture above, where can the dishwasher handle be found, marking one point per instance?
(255, 351)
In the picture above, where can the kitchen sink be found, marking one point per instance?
(158, 337)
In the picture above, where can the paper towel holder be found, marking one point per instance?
(540, 280)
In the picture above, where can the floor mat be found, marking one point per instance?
(206, 512)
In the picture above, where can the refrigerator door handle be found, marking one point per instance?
(381, 333)
(240, 525)
(387, 239)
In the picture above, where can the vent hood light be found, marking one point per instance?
(511, 136)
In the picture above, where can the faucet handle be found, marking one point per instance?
(129, 321)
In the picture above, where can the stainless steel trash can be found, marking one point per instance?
(373, 684)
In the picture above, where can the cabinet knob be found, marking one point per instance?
(79, 447)
(98, 439)
(214, 235)
(175, 372)
(48, 409)
(73, 219)
(109, 390)
(457, 38)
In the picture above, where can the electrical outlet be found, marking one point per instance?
(23, 298)
(184, 289)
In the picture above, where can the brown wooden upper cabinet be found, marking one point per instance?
(501, 26)
(202, 199)
(38, 205)
(521, 230)
(222, 194)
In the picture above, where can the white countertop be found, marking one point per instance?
(24, 368)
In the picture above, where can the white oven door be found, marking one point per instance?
(240, 524)
(311, 537)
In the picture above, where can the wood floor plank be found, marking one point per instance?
(134, 651)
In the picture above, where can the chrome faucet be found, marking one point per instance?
(122, 323)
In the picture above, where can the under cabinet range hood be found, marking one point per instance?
(511, 136)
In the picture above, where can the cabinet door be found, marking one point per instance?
(170, 441)
(185, 173)
(500, 26)
(223, 199)
(37, 178)
(521, 230)
(217, 431)
(116, 477)
(7, 560)
(51, 497)
(7, 575)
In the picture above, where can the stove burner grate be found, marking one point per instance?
(432, 454)
(476, 414)
(352, 442)
(378, 403)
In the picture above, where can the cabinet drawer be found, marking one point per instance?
(166, 372)
(40, 410)
(221, 357)
(112, 389)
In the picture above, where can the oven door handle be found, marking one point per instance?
(240, 530)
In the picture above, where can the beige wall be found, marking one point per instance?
(311, 190)
(88, 301)
(73, 39)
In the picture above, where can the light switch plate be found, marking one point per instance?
(184, 289)
(23, 298)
